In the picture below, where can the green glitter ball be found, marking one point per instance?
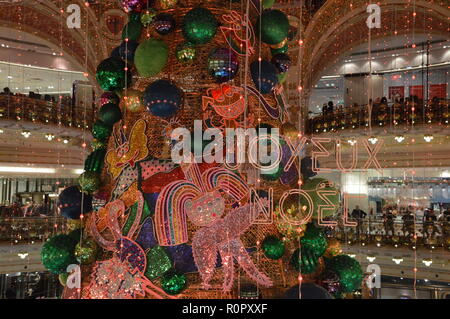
(63, 278)
(158, 262)
(96, 144)
(272, 26)
(94, 162)
(58, 252)
(199, 26)
(311, 186)
(110, 114)
(273, 247)
(89, 182)
(86, 252)
(267, 4)
(111, 74)
(186, 52)
(314, 240)
(349, 271)
(151, 57)
(307, 263)
(147, 17)
(173, 283)
(101, 131)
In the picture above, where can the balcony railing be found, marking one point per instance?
(377, 232)
(22, 108)
(383, 115)
(19, 230)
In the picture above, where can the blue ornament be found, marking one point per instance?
(223, 64)
(164, 23)
(308, 291)
(282, 62)
(127, 50)
(162, 98)
(70, 201)
(264, 75)
(115, 53)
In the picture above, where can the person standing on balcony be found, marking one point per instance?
(429, 219)
(6, 91)
(324, 109)
(388, 221)
(330, 107)
(359, 215)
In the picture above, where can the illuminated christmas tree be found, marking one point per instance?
(156, 228)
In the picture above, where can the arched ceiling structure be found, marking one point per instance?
(101, 26)
(340, 25)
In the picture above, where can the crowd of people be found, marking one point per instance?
(47, 97)
(30, 209)
(382, 102)
(431, 223)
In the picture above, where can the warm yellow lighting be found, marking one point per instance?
(18, 169)
(427, 262)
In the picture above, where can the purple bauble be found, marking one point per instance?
(136, 5)
(164, 23)
(282, 62)
(223, 64)
(108, 97)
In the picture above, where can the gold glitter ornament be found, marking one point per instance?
(333, 248)
(132, 101)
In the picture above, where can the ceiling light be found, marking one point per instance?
(371, 258)
(26, 133)
(22, 255)
(66, 140)
(352, 141)
(397, 260)
(373, 140)
(351, 255)
(21, 169)
(49, 136)
(399, 138)
(1, 131)
(428, 138)
(427, 262)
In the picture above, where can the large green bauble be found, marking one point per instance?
(151, 57)
(307, 263)
(283, 49)
(132, 30)
(86, 252)
(173, 283)
(199, 26)
(101, 131)
(314, 240)
(63, 278)
(110, 114)
(349, 271)
(273, 247)
(267, 4)
(58, 253)
(111, 74)
(272, 26)
(311, 187)
(89, 182)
